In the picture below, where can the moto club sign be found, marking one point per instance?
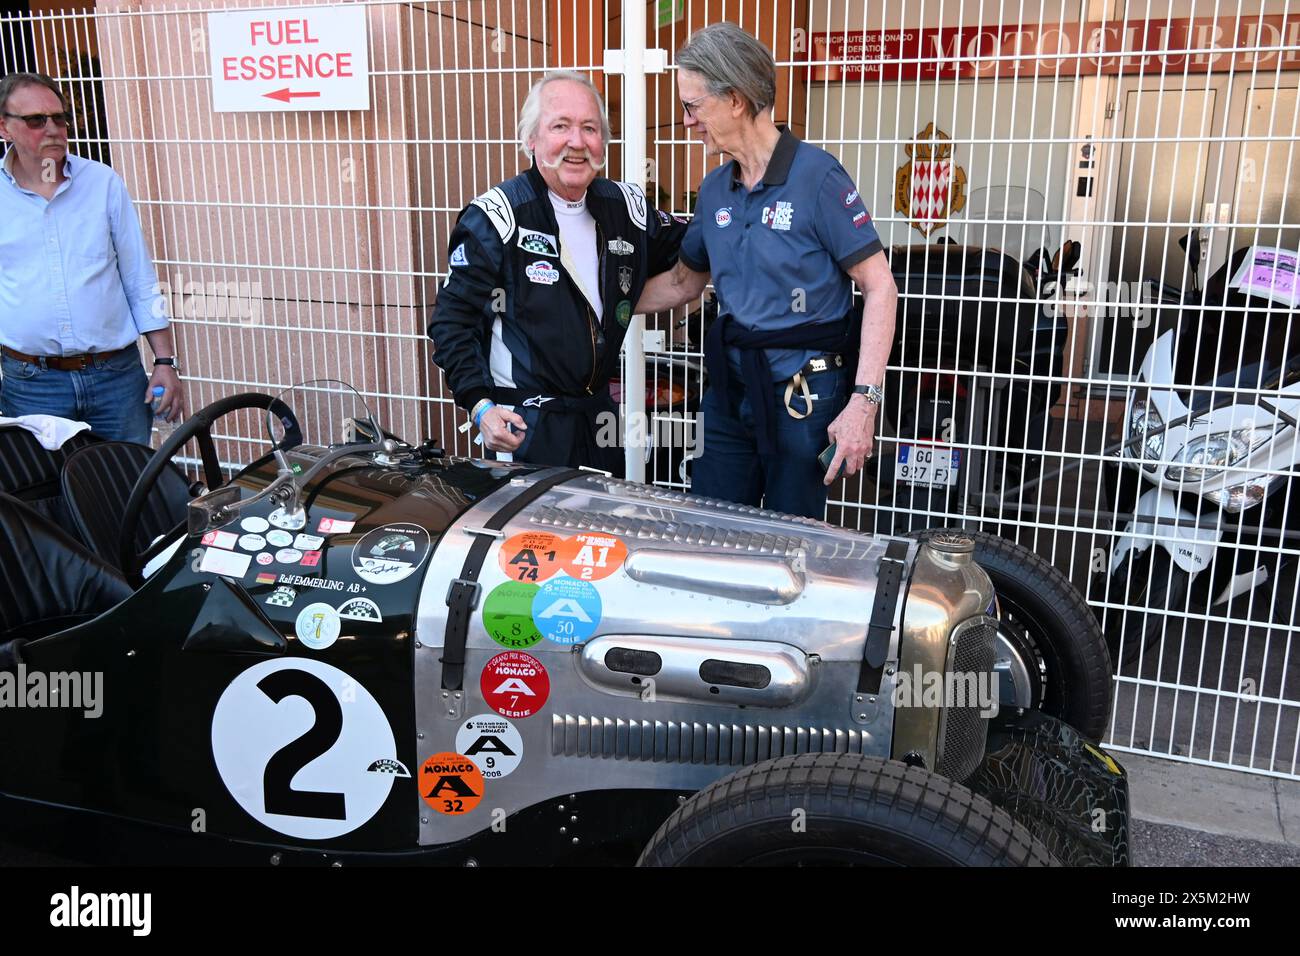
(1108, 47)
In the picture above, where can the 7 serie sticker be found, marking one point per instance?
(515, 684)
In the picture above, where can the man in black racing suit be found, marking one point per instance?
(544, 271)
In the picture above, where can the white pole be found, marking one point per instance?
(634, 161)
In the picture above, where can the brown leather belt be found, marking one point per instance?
(64, 363)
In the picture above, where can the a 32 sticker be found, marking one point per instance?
(294, 741)
(492, 743)
(390, 554)
(530, 556)
(318, 626)
(590, 557)
(451, 783)
(289, 522)
(566, 611)
(515, 684)
(508, 615)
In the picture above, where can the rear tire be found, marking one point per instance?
(1050, 627)
(856, 810)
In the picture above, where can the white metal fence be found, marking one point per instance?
(309, 244)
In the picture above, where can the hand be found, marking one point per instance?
(853, 432)
(494, 426)
(171, 405)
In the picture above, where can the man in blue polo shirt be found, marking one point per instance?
(77, 285)
(784, 233)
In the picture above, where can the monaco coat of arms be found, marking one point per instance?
(930, 186)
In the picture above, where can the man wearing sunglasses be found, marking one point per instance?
(77, 285)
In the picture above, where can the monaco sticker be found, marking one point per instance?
(590, 557)
(566, 611)
(492, 743)
(515, 684)
(451, 783)
(532, 556)
(390, 554)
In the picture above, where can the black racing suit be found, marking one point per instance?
(510, 323)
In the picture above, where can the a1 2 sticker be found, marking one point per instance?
(508, 615)
(590, 557)
(532, 556)
(451, 783)
(515, 684)
(492, 743)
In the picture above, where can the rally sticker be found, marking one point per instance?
(566, 611)
(288, 555)
(308, 542)
(295, 741)
(279, 539)
(360, 609)
(252, 542)
(451, 783)
(542, 272)
(541, 243)
(492, 743)
(254, 525)
(531, 556)
(591, 557)
(515, 684)
(290, 522)
(318, 626)
(230, 563)
(220, 539)
(282, 596)
(265, 557)
(508, 614)
(391, 553)
(265, 577)
(334, 526)
(723, 217)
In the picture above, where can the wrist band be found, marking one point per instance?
(480, 409)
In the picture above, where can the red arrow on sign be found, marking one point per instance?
(284, 96)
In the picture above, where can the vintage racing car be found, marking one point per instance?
(359, 649)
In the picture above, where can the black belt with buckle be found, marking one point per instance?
(820, 363)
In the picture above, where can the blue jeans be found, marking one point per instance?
(729, 465)
(109, 394)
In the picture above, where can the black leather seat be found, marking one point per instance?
(97, 482)
(31, 473)
(51, 582)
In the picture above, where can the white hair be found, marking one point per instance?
(531, 115)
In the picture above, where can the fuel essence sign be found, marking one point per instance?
(305, 58)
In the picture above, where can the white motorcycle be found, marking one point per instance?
(1207, 472)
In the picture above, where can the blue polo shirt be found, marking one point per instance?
(778, 252)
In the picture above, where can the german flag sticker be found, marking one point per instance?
(451, 783)
(266, 577)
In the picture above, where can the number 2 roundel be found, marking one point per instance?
(304, 748)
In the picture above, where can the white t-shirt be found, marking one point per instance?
(578, 239)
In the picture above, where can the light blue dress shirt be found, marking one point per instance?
(75, 275)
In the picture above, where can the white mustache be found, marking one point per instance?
(586, 155)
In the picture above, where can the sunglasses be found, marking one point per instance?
(38, 120)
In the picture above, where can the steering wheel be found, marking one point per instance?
(199, 425)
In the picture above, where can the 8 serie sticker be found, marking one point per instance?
(390, 554)
(492, 743)
(508, 614)
(515, 684)
(451, 783)
(531, 556)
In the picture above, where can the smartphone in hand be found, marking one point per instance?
(826, 457)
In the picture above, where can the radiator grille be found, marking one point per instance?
(963, 732)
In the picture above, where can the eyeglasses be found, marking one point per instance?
(690, 106)
(38, 120)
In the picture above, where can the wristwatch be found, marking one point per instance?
(874, 394)
(169, 360)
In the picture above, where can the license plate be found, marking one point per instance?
(924, 465)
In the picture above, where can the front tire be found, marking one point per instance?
(840, 809)
(1147, 584)
(1048, 632)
